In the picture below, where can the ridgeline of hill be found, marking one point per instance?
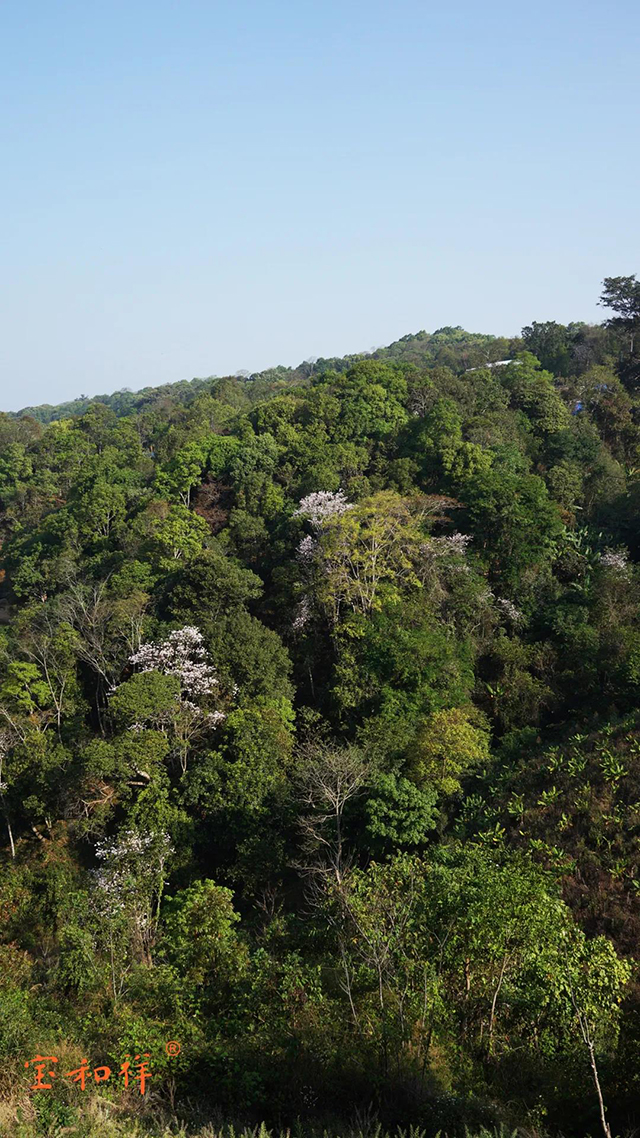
(447, 346)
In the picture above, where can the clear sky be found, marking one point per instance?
(191, 187)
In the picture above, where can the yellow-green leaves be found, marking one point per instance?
(449, 743)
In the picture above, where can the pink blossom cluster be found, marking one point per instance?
(212, 718)
(617, 561)
(509, 610)
(455, 543)
(304, 612)
(130, 843)
(215, 718)
(316, 508)
(183, 655)
(322, 504)
(307, 549)
(121, 857)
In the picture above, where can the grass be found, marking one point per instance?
(98, 1120)
(106, 1120)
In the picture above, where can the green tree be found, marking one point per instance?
(449, 743)
(622, 296)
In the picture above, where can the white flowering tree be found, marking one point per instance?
(322, 504)
(509, 611)
(129, 884)
(182, 657)
(451, 545)
(317, 508)
(616, 561)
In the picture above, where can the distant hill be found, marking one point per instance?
(450, 347)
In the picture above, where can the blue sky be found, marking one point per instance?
(192, 187)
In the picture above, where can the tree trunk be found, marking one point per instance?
(492, 1018)
(10, 832)
(606, 1129)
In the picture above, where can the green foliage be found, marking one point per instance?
(256, 751)
(199, 934)
(447, 746)
(213, 583)
(399, 813)
(147, 697)
(400, 723)
(180, 535)
(24, 689)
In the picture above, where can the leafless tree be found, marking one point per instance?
(40, 641)
(328, 778)
(109, 631)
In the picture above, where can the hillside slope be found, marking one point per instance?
(319, 745)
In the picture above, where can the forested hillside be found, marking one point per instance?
(320, 739)
(451, 346)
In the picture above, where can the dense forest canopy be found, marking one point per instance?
(319, 732)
